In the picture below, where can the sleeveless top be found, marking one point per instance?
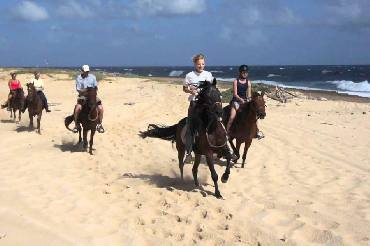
(241, 90)
(14, 84)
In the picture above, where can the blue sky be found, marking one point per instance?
(169, 32)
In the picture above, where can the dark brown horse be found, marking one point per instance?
(16, 103)
(210, 138)
(88, 118)
(34, 105)
(244, 127)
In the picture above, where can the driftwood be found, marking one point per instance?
(281, 95)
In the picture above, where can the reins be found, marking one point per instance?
(216, 146)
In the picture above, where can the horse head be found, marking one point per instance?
(91, 96)
(210, 101)
(19, 93)
(255, 106)
(210, 97)
(31, 91)
(258, 104)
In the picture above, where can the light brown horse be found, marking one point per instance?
(16, 103)
(244, 127)
(34, 105)
(88, 118)
(210, 138)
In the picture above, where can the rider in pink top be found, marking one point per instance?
(13, 85)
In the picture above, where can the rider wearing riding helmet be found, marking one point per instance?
(242, 93)
(13, 85)
(83, 82)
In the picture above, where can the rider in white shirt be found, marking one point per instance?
(191, 84)
(84, 81)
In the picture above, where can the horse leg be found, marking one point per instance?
(91, 139)
(14, 114)
(38, 123)
(247, 144)
(31, 120)
(195, 169)
(79, 135)
(232, 145)
(214, 175)
(84, 138)
(180, 156)
(20, 113)
(237, 148)
(225, 176)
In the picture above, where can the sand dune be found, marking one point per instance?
(306, 183)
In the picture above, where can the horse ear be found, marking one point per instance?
(214, 82)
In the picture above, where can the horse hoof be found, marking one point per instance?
(218, 195)
(224, 178)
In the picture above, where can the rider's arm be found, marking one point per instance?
(249, 92)
(187, 87)
(79, 87)
(9, 82)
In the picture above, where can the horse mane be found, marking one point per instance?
(208, 95)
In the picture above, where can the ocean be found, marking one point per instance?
(348, 79)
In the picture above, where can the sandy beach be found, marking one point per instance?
(306, 183)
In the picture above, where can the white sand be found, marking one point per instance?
(306, 183)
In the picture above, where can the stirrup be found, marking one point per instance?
(260, 135)
(188, 158)
(75, 129)
(100, 128)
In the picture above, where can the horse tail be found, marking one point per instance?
(160, 131)
(67, 121)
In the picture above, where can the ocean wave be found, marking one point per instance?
(216, 71)
(225, 79)
(273, 75)
(346, 85)
(365, 86)
(325, 71)
(176, 73)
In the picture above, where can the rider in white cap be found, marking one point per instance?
(84, 81)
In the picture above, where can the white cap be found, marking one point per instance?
(85, 68)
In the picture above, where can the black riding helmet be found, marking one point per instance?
(243, 68)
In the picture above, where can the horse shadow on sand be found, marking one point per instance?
(70, 146)
(8, 121)
(169, 183)
(22, 128)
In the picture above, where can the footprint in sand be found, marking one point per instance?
(229, 217)
(140, 221)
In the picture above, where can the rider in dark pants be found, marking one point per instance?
(191, 83)
(39, 87)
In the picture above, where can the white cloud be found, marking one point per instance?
(28, 10)
(348, 13)
(170, 7)
(73, 9)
